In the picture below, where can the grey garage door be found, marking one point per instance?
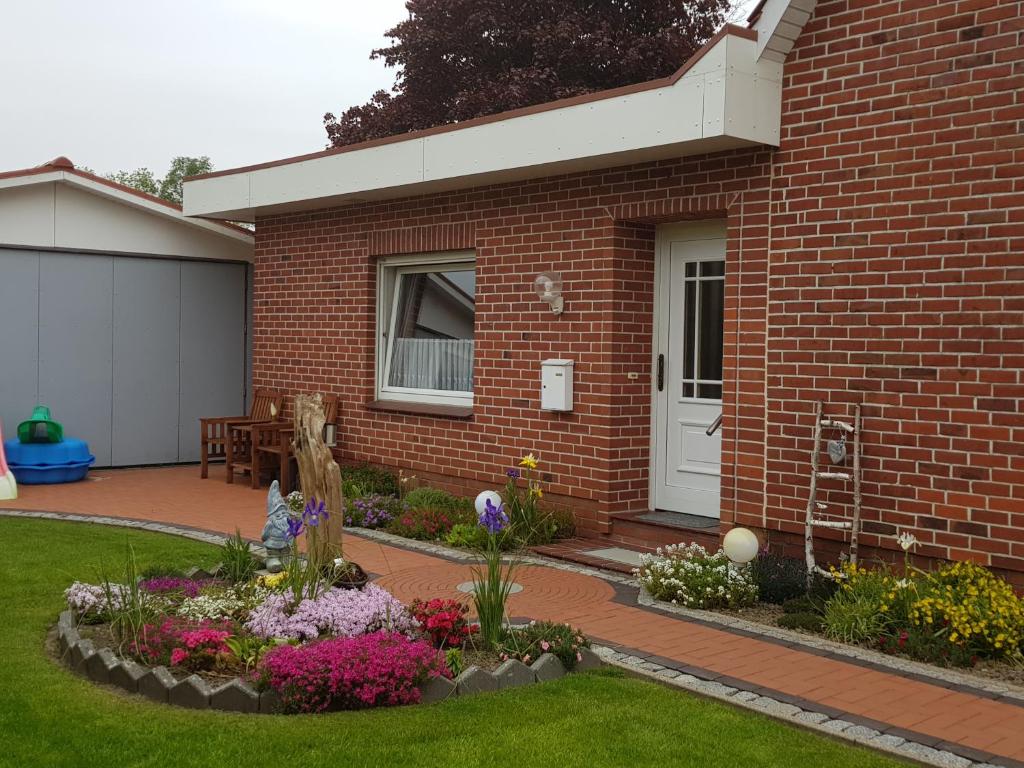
(127, 352)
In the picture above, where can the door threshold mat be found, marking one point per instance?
(678, 520)
(616, 555)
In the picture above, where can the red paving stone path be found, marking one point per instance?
(177, 495)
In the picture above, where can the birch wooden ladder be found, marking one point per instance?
(818, 514)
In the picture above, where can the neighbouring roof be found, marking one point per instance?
(727, 96)
(63, 171)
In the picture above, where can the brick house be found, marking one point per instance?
(827, 205)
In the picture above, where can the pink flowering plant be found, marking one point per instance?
(190, 645)
(375, 670)
(338, 612)
(539, 637)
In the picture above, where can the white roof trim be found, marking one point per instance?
(127, 198)
(728, 98)
(779, 25)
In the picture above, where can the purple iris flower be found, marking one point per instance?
(314, 512)
(494, 518)
(513, 473)
(294, 526)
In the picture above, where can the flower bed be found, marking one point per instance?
(376, 499)
(958, 614)
(292, 641)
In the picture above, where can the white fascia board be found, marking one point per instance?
(152, 206)
(127, 198)
(779, 25)
(698, 113)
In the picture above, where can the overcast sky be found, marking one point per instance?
(122, 84)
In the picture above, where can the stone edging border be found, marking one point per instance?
(237, 695)
(820, 722)
(913, 748)
(915, 670)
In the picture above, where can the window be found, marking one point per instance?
(426, 314)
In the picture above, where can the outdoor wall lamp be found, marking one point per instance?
(548, 286)
(330, 434)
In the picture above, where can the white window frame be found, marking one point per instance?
(389, 269)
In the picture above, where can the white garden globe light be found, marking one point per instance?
(740, 545)
(484, 496)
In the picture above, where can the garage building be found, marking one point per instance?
(126, 318)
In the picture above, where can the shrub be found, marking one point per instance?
(158, 570)
(178, 642)
(175, 586)
(341, 612)
(374, 511)
(686, 574)
(977, 613)
(369, 480)
(238, 561)
(530, 523)
(811, 622)
(90, 601)
(801, 605)
(379, 669)
(856, 612)
(435, 498)
(425, 523)
(444, 621)
(778, 578)
(539, 637)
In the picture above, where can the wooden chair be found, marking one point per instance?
(215, 432)
(270, 440)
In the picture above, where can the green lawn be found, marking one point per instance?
(49, 717)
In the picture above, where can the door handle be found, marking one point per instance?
(661, 372)
(713, 426)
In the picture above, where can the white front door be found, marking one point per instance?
(690, 295)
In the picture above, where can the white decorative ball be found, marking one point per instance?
(740, 545)
(483, 497)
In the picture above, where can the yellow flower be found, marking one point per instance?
(529, 461)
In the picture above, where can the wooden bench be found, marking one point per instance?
(215, 432)
(275, 440)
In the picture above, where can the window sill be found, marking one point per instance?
(421, 409)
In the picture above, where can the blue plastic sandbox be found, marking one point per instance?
(47, 463)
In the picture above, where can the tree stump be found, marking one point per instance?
(319, 474)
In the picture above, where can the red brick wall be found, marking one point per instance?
(874, 258)
(897, 217)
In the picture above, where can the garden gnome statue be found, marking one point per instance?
(275, 531)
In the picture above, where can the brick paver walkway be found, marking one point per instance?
(971, 722)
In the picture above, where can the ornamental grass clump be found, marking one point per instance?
(339, 612)
(375, 670)
(688, 575)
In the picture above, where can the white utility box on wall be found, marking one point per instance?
(556, 385)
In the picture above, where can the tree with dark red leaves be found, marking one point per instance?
(459, 59)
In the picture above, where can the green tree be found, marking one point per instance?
(169, 187)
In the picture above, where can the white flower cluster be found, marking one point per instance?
(688, 575)
(225, 605)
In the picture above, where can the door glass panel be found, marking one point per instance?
(712, 268)
(689, 329)
(709, 358)
(703, 315)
